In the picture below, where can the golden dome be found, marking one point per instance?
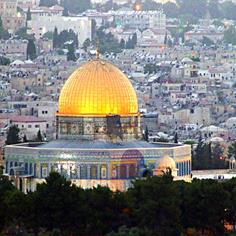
(97, 88)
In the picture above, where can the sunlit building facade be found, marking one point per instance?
(98, 140)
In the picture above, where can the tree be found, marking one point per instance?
(218, 158)
(206, 41)
(22, 33)
(5, 187)
(4, 61)
(202, 156)
(232, 150)
(134, 39)
(48, 3)
(28, 15)
(165, 40)
(48, 35)
(93, 29)
(55, 38)
(71, 53)
(171, 9)
(15, 203)
(230, 35)
(146, 133)
(176, 138)
(149, 197)
(76, 6)
(13, 135)
(151, 68)
(31, 50)
(228, 10)
(107, 42)
(150, 5)
(65, 12)
(169, 42)
(196, 8)
(45, 201)
(230, 187)
(131, 43)
(109, 210)
(3, 33)
(208, 156)
(205, 220)
(122, 44)
(25, 140)
(39, 136)
(86, 44)
(65, 37)
(213, 7)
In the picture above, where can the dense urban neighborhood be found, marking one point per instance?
(109, 100)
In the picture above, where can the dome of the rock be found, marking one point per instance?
(97, 88)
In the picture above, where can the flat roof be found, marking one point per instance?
(100, 144)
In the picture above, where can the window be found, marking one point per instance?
(103, 172)
(93, 172)
(29, 126)
(123, 171)
(114, 171)
(36, 126)
(132, 171)
(44, 172)
(83, 172)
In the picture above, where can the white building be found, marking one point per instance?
(29, 125)
(198, 34)
(80, 25)
(45, 11)
(140, 19)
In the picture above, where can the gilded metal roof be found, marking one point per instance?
(97, 88)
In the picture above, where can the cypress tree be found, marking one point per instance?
(55, 38)
(31, 50)
(71, 53)
(13, 135)
(28, 15)
(39, 136)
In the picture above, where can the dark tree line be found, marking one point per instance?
(65, 36)
(3, 32)
(13, 136)
(4, 61)
(192, 10)
(153, 206)
(72, 6)
(209, 156)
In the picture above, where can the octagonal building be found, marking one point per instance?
(98, 139)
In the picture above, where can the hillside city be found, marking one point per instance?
(180, 58)
(183, 69)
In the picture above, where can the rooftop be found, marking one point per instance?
(86, 144)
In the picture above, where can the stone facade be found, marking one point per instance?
(87, 168)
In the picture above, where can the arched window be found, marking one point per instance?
(132, 171)
(103, 172)
(123, 172)
(93, 172)
(83, 172)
